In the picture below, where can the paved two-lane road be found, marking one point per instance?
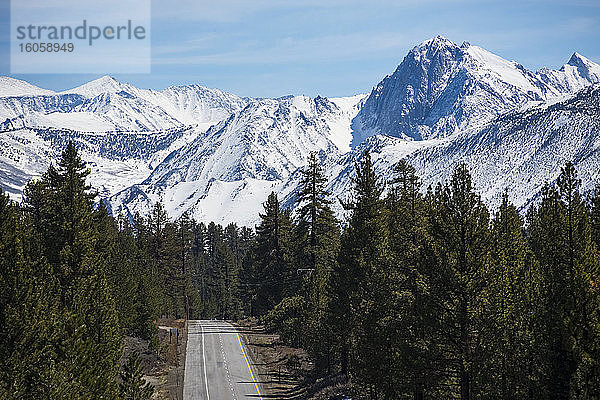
(216, 365)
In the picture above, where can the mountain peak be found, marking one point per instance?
(105, 81)
(106, 78)
(437, 42)
(576, 58)
(586, 67)
(440, 89)
(104, 84)
(438, 47)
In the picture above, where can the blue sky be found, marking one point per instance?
(333, 47)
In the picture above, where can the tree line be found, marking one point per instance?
(432, 295)
(75, 280)
(415, 294)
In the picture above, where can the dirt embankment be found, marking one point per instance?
(163, 362)
(286, 372)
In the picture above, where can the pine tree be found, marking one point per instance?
(363, 263)
(30, 314)
(116, 246)
(316, 223)
(561, 240)
(407, 316)
(232, 270)
(198, 268)
(159, 243)
(272, 255)
(135, 315)
(85, 339)
(133, 386)
(317, 243)
(144, 313)
(287, 319)
(11, 262)
(247, 279)
(595, 216)
(214, 270)
(511, 352)
(456, 265)
(26, 309)
(149, 298)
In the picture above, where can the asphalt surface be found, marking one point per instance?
(217, 366)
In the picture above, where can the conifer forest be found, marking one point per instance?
(416, 293)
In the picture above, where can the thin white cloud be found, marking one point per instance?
(236, 10)
(288, 49)
(580, 25)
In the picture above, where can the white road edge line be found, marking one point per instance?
(204, 362)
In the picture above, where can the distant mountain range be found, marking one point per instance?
(218, 155)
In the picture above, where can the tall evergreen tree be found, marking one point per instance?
(27, 310)
(272, 256)
(11, 262)
(407, 316)
(116, 246)
(87, 342)
(595, 216)
(456, 268)
(317, 243)
(164, 261)
(233, 243)
(199, 256)
(561, 240)
(511, 355)
(248, 283)
(363, 261)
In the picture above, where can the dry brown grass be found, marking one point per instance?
(163, 369)
(285, 372)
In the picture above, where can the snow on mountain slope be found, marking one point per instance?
(104, 84)
(441, 88)
(573, 76)
(23, 156)
(82, 121)
(520, 151)
(115, 160)
(17, 111)
(122, 131)
(195, 104)
(226, 172)
(106, 104)
(190, 105)
(340, 125)
(10, 87)
(106, 112)
(218, 155)
(586, 68)
(129, 113)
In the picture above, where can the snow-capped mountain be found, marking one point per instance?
(217, 155)
(519, 151)
(226, 172)
(105, 105)
(10, 87)
(123, 131)
(522, 151)
(441, 88)
(189, 105)
(115, 160)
